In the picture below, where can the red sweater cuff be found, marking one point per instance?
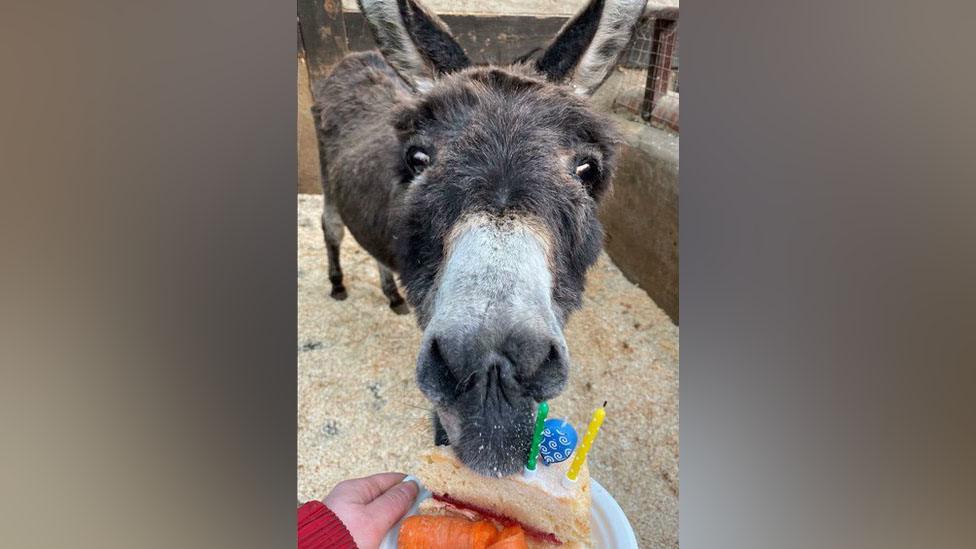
(319, 528)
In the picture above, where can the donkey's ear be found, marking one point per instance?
(590, 43)
(414, 41)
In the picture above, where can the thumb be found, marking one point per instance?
(393, 504)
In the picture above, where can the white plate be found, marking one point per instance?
(611, 529)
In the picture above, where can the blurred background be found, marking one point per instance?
(147, 279)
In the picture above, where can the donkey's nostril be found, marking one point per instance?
(485, 363)
(550, 375)
(530, 349)
(434, 354)
(554, 354)
(434, 374)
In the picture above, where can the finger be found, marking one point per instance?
(393, 504)
(366, 489)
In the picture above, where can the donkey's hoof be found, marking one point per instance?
(339, 293)
(399, 307)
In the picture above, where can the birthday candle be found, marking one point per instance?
(540, 422)
(584, 448)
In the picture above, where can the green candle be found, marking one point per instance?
(540, 423)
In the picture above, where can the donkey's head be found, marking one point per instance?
(503, 168)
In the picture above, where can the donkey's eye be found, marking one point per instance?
(417, 160)
(587, 170)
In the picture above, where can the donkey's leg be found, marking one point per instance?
(333, 230)
(388, 284)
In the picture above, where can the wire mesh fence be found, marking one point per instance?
(647, 86)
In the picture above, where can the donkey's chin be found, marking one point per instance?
(488, 446)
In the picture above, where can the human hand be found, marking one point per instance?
(370, 506)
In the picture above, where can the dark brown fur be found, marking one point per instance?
(503, 143)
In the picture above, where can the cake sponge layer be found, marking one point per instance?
(540, 502)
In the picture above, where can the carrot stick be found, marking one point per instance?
(437, 532)
(511, 537)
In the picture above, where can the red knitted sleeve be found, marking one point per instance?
(319, 528)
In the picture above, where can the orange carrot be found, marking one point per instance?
(511, 537)
(438, 532)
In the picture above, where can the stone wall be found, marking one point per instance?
(641, 214)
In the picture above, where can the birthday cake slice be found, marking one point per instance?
(552, 513)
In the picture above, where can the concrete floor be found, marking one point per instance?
(360, 412)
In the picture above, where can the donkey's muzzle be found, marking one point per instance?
(493, 347)
(498, 363)
(486, 386)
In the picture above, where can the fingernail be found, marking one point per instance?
(413, 479)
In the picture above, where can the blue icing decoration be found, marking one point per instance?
(558, 441)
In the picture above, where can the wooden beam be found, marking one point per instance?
(323, 31)
(485, 38)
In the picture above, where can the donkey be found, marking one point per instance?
(479, 186)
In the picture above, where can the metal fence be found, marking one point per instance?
(648, 80)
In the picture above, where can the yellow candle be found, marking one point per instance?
(584, 448)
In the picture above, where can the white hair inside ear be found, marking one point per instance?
(395, 42)
(617, 23)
